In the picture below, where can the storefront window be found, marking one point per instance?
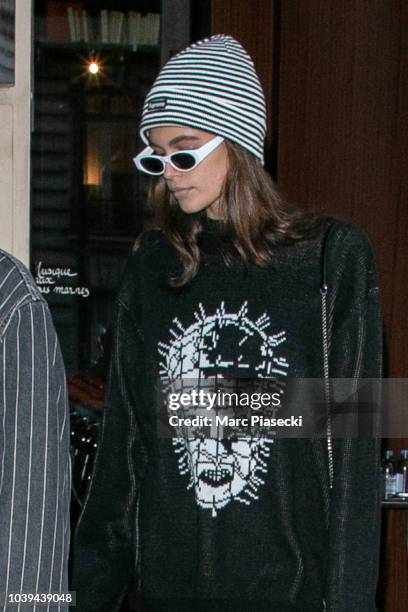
(93, 65)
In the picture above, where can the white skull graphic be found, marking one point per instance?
(222, 467)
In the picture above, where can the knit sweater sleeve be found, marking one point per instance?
(355, 353)
(105, 544)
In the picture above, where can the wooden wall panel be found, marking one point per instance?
(398, 328)
(393, 583)
(343, 147)
(394, 569)
(252, 24)
(337, 91)
(340, 69)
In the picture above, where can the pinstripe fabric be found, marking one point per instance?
(34, 443)
(213, 86)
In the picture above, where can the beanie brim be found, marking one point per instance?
(203, 113)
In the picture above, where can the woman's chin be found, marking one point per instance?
(190, 209)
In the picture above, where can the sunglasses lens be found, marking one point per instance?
(183, 161)
(152, 165)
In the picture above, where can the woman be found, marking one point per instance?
(229, 288)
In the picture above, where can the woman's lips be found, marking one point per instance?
(179, 193)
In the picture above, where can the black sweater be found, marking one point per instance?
(220, 524)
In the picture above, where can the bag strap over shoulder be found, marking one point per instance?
(324, 287)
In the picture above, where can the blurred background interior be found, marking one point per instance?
(335, 75)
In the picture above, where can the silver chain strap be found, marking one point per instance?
(327, 385)
(327, 390)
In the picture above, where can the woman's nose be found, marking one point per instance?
(169, 171)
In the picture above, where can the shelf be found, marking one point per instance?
(394, 504)
(97, 46)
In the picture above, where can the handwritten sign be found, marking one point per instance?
(51, 280)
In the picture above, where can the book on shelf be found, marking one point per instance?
(133, 29)
(143, 29)
(104, 22)
(86, 30)
(70, 22)
(155, 28)
(60, 26)
(116, 19)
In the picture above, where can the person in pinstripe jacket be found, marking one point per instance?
(34, 445)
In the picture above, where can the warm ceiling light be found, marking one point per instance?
(93, 67)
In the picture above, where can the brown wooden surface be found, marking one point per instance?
(251, 23)
(341, 127)
(343, 148)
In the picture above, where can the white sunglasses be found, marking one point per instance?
(184, 161)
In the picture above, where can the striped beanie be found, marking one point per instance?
(212, 86)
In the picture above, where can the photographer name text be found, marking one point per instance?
(253, 420)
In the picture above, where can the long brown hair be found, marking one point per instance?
(254, 215)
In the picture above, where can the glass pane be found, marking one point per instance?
(7, 21)
(94, 63)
